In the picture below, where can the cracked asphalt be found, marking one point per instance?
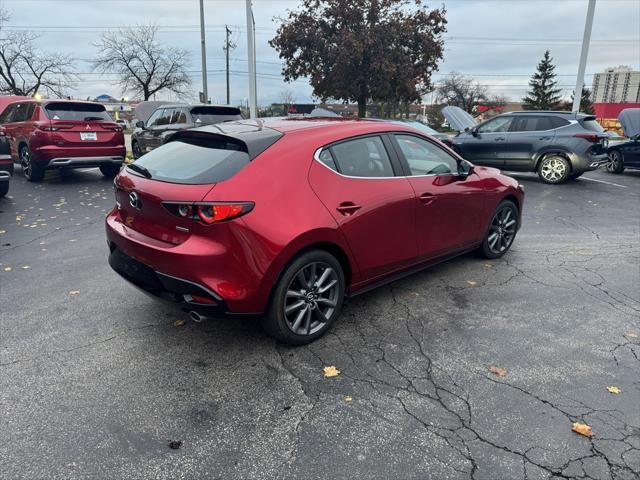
(96, 379)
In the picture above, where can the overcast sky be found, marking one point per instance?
(498, 42)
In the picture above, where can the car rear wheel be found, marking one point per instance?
(31, 171)
(554, 169)
(110, 171)
(4, 189)
(615, 163)
(502, 230)
(135, 148)
(307, 299)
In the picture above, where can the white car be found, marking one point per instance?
(123, 123)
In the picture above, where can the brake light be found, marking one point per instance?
(209, 212)
(588, 136)
(114, 128)
(45, 127)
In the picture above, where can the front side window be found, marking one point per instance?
(362, 157)
(495, 125)
(425, 158)
(178, 116)
(153, 119)
(78, 112)
(165, 117)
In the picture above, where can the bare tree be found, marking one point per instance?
(461, 91)
(25, 70)
(145, 67)
(287, 98)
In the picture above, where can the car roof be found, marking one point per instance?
(288, 124)
(563, 113)
(191, 105)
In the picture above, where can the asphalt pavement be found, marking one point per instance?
(96, 379)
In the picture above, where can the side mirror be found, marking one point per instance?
(140, 124)
(474, 131)
(464, 169)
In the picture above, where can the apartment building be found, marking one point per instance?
(617, 85)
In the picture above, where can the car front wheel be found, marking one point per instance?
(307, 298)
(135, 149)
(554, 169)
(615, 163)
(502, 230)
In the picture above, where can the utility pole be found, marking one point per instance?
(251, 46)
(205, 93)
(586, 39)
(227, 47)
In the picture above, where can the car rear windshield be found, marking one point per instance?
(82, 112)
(211, 115)
(590, 123)
(195, 161)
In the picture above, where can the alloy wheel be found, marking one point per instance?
(502, 230)
(25, 161)
(553, 169)
(137, 153)
(613, 165)
(311, 298)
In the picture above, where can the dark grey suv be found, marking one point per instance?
(557, 145)
(169, 118)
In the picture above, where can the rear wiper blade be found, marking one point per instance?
(140, 169)
(89, 119)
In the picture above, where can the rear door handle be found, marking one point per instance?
(348, 208)
(427, 198)
(500, 139)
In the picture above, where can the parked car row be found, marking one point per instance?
(626, 154)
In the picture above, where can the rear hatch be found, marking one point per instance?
(595, 134)
(180, 173)
(82, 124)
(458, 118)
(211, 114)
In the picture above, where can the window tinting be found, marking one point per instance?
(558, 122)
(178, 116)
(495, 125)
(195, 161)
(7, 113)
(425, 158)
(326, 158)
(211, 115)
(81, 112)
(590, 123)
(363, 157)
(535, 123)
(151, 122)
(165, 117)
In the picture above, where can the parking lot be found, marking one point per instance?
(97, 379)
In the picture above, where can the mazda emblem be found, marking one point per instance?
(134, 200)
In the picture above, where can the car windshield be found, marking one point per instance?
(82, 112)
(211, 115)
(194, 161)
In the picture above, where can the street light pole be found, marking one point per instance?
(227, 46)
(586, 38)
(203, 48)
(251, 46)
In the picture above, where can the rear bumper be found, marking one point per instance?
(4, 176)
(589, 162)
(166, 287)
(90, 156)
(84, 161)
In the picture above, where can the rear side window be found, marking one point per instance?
(535, 123)
(81, 112)
(558, 122)
(211, 115)
(362, 157)
(590, 123)
(195, 161)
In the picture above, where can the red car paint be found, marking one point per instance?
(402, 222)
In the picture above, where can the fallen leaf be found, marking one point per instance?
(582, 429)
(179, 322)
(631, 334)
(7, 269)
(614, 389)
(25, 267)
(471, 282)
(74, 292)
(348, 399)
(331, 371)
(488, 265)
(501, 372)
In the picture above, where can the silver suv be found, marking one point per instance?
(559, 146)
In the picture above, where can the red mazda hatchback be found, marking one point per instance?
(285, 218)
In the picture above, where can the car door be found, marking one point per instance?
(527, 135)
(6, 120)
(631, 152)
(146, 138)
(448, 206)
(357, 182)
(485, 144)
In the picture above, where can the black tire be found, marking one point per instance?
(135, 150)
(32, 171)
(501, 232)
(4, 189)
(554, 169)
(110, 171)
(311, 311)
(615, 163)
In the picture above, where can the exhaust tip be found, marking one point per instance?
(195, 316)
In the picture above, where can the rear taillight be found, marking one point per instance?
(588, 136)
(209, 212)
(114, 128)
(45, 127)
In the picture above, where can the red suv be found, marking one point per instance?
(62, 134)
(286, 217)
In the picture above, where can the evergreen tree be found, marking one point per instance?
(586, 105)
(543, 94)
